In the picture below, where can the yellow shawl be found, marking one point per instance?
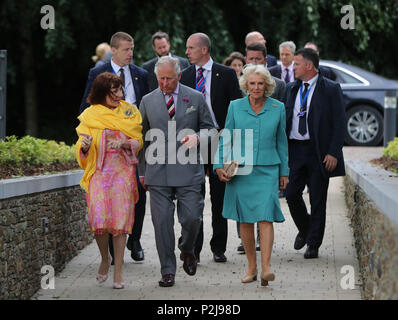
(125, 118)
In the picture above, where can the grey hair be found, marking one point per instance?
(289, 44)
(167, 60)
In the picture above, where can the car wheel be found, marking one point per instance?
(364, 126)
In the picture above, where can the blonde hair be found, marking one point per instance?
(100, 51)
(260, 70)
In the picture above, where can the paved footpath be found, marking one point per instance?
(296, 278)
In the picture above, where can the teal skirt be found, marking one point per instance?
(254, 197)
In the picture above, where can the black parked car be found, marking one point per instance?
(364, 98)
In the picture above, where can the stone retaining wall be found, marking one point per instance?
(376, 241)
(25, 246)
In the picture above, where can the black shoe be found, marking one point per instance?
(299, 243)
(219, 257)
(241, 248)
(190, 263)
(311, 253)
(137, 254)
(167, 280)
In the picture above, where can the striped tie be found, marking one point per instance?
(170, 107)
(200, 82)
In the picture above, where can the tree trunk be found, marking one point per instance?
(28, 71)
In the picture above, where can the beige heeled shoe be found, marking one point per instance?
(265, 277)
(118, 285)
(249, 277)
(103, 277)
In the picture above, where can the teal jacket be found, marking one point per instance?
(261, 139)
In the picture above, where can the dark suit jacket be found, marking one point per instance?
(150, 67)
(327, 73)
(224, 88)
(138, 75)
(326, 120)
(276, 71)
(271, 61)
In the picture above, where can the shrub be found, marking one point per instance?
(33, 151)
(392, 149)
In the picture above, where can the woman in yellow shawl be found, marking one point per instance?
(110, 135)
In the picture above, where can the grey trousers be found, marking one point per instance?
(190, 204)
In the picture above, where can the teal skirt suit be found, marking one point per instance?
(259, 144)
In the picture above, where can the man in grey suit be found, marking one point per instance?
(172, 117)
(161, 46)
(256, 53)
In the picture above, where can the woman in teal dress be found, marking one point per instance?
(255, 136)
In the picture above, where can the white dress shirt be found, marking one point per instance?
(294, 134)
(207, 74)
(291, 72)
(128, 82)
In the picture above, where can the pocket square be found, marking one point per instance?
(190, 109)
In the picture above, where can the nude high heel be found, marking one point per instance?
(265, 277)
(103, 277)
(118, 285)
(249, 277)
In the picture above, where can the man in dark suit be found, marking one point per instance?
(219, 85)
(315, 119)
(285, 70)
(324, 71)
(135, 86)
(161, 46)
(257, 37)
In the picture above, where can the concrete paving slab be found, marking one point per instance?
(296, 277)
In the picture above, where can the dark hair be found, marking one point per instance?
(309, 54)
(257, 47)
(160, 35)
(120, 36)
(102, 87)
(234, 55)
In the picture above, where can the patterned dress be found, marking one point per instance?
(113, 190)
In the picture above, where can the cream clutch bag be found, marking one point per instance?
(231, 168)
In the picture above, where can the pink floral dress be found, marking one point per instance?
(113, 191)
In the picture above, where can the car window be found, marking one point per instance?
(343, 77)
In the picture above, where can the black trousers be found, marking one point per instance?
(218, 242)
(139, 212)
(305, 169)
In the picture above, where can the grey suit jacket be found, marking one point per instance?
(150, 67)
(159, 160)
(279, 91)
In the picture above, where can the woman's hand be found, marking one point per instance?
(283, 181)
(118, 144)
(222, 175)
(86, 141)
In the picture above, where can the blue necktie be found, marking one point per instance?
(200, 82)
(287, 78)
(302, 129)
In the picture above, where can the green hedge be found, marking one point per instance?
(33, 151)
(392, 149)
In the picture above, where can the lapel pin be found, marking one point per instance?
(136, 78)
(274, 105)
(217, 74)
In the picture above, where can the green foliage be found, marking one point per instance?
(392, 149)
(32, 151)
